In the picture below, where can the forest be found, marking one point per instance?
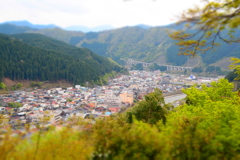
(44, 59)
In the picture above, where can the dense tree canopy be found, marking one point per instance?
(138, 66)
(55, 61)
(151, 109)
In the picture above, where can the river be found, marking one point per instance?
(170, 99)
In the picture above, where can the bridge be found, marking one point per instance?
(169, 67)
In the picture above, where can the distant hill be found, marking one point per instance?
(71, 37)
(13, 29)
(143, 44)
(80, 28)
(143, 26)
(37, 57)
(88, 29)
(25, 23)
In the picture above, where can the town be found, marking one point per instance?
(60, 104)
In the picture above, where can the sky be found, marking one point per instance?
(92, 13)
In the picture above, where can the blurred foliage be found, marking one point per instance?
(138, 66)
(235, 66)
(205, 127)
(208, 26)
(231, 76)
(17, 86)
(151, 109)
(14, 104)
(2, 85)
(155, 66)
(197, 69)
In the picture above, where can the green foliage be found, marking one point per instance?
(209, 22)
(231, 76)
(197, 69)
(56, 61)
(36, 84)
(2, 85)
(218, 91)
(116, 139)
(151, 109)
(205, 127)
(172, 56)
(138, 66)
(17, 86)
(69, 100)
(155, 66)
(235, 66)
(129, 117)
(14, 104)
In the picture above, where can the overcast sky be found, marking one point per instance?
(92, 13)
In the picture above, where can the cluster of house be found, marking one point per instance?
(60, 104)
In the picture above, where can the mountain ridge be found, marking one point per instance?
(25, 23)
(148, 45)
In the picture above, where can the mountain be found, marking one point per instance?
(13, 29)
(87, 29)
(151, 45)
(25, 23)
(71, 37)
(143, 26)
(37, 57)
(147, 45)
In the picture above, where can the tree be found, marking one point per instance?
(207, 25)
(138, 66)
(210, 69)
(2, 85)
(14, 104)
(235, 65)
(155, 66)
(231, 76)
(152, 109)
(197, 69)
(17, 86)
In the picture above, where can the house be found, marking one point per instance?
(127, 97)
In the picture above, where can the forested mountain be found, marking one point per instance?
(149, 45)
(25, 23)
(13, 29)
(88, 29)
(56, 61)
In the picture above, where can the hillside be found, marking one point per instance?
(13, 29)
(148, 45)
(45, 60)
(25, 23)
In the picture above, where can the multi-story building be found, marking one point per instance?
(111, 100)
(127, 97)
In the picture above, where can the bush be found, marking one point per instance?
(14, 104)
(2, 85)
